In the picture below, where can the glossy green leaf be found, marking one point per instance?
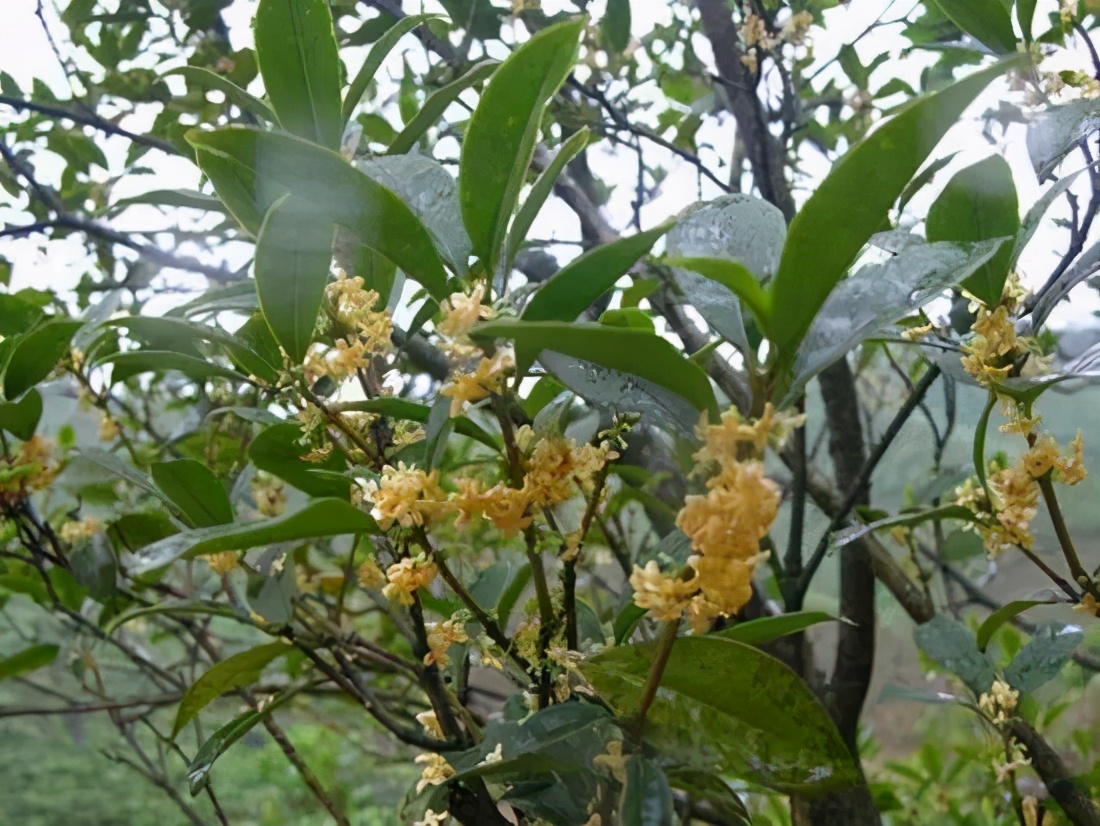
(278, 450)
(1039, 662)
(501, 135)
(135, 362)
(729, 708)
(703, 785)
(21, 418)
(376, 56)
(35, 354)
(979, 204)
(206, 79)
(953, 646)
(737, 279)
(333, 189)
(631, 351)
(616, 25)
(766, 629)
(293, 254)
(540, 191)
(194, 490)
(985, 20)
(27, 660)
(436, 105)
(411, 411)
(580, 282)
(647, 796)
(1006, 613)
(854, 200)
(235, 184)
(1025, 16)
(320, 518)
(17, 315)
(199, 771)
(242, 669)
(296, 50)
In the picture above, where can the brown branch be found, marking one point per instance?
(1048, 764)
(93, 121)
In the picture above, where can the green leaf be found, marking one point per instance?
(27, 660)
(182, 198)
(296, 50)
(703, 785)
(985, 20)
(194, 490)
(1040, 660)
(135, 362)
(616, 25)
(737, 279)
(1025, 16)
(320, 518)
(632, 351)
(21, 418)
(278, 450)
(952, 645)
(411, 411)
(501, 135)
(293, 254)
(647, 796)
(729, 708)
(116, 467)
(334, 190)
(923, 179)
(241, 669)
(17, 315)
(36, 354)
(766, 629)
(540, 191)
(95, 568)
(1006, 613)
(854, 200)
(199, 770)
(580, 282)
(201, 78)
(979, 204)
(436, 105)
(377, 55)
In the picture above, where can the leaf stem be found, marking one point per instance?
(1064, 539)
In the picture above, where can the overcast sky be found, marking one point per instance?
(25, 53)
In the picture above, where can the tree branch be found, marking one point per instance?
(93, 121)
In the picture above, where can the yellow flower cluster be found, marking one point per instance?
(999, 703)
(665, 597)
(989, 354)
(407, 577)
(223, 562)
(370, 576)
(31, 468)
(74, 532)
(441, 636)
(269, 494)
(408, 496)
(485, 380)
(436, 772)
(725, 524)
(108, 428)
(354, 308)
(555, 470)
(461, 312)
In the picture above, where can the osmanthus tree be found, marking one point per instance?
(407, 463)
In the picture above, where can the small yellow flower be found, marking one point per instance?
(407, 577)
(917, 333)
(370, 576)
(665, 597)
(433, 819)
(495, 756)
(487, 379)
(557, 465)
(794, 31)
(354, 308)
(408, 496)
(269, 494)
(1071, 469)
(754, 32)
(989, 354)
(613, 762)
(461, 312)
(999, 703)
(73, 532)
(1041, 457)
(430, 722)
(108, 428)
(1088, 605)
(436, 772)
(223, 562)
(441, 636)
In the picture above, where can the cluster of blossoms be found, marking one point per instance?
(475, 376)
(73, 533)
(725, 524)
(366, 331)
(757, 37)
(31, 468)
(999, 703)
(1011, 500)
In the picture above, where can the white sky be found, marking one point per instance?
(26, 55)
